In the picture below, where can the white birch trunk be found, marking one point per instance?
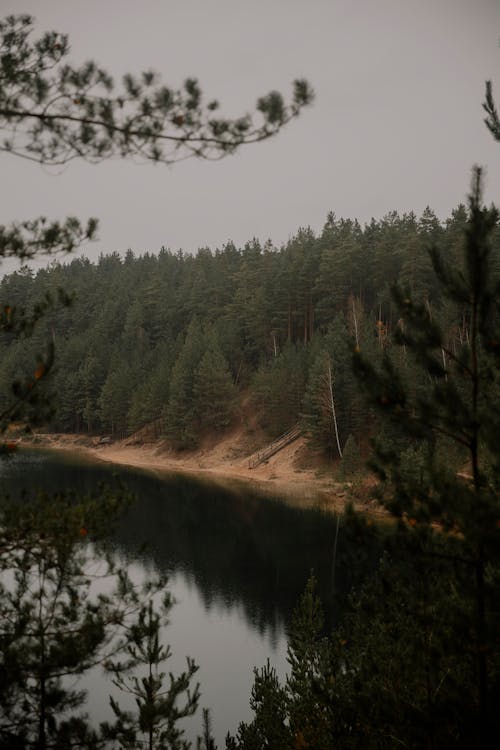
(332, 405)
(444, 364)
(355, 323)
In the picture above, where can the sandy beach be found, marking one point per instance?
(295, 473)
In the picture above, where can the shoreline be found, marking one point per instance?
(286, 475)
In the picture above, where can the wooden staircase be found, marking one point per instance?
(151, 431)
(263, 455)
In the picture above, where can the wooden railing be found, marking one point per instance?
(277, 445)
(151, 431)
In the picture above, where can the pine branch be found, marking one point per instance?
(53, 112)
(492, 121)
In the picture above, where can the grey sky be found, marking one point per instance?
(397, 122)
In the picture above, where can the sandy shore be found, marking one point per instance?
(226, 462)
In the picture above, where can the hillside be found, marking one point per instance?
(185, 340)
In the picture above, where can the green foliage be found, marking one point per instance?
(54, 624)
(278, 389)
(265, 310)
(291, 716)
(181, 409)
(305, 655)
(213, 390)
(114, 400)
(150, 397)
(399, 672)
(321, 405)
(158, 709)
(492, 120)
(26, 239)
(416, 661)
(332, 406)
(55, 112)
(455, 402)
(453, 504)
(52, 112)
(269, 727)
(351, 458)
(201, 391)
(206, 741)
(23, 398)
(342, 266)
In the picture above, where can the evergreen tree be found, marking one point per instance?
(492, 120)
(351, 459)
(306, 651)
(332, 407)
(341, 270)
(416, 269)
(301, 256)
(53, 624)
(291, 715)
(278, 389)
(269, 729)
(181, 409)
(398, 669)
(214, 394)
(458, 408)
(416, 662)
(251, 308)
(115, 398)
(150, 398)
(321, 405)
(206, 741)
(158, 710)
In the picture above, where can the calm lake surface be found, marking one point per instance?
(237, 563)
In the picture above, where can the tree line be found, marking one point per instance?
(181, 338)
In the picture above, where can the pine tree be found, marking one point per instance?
(155, 725)
(279, 388)
(351, 459)
(214, 394)
(53, 626)
(291, 715)
(114, 401)
(306, 651)
(416, 661)
(269, 729)
(206, 741)
(455, 414)
(332, 407)
(180, 412)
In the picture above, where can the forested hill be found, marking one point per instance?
(182, 337)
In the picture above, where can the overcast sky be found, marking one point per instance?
(397, 122)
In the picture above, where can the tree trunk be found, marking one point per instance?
(332, 405)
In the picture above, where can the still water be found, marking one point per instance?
(237, 563)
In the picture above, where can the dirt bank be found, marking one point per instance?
(295, 473)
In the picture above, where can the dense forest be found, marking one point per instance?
(389, 331)
(182, 339)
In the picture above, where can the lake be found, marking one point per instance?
(237, 562)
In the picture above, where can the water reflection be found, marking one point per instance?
(224, 645)
(237, 563)
(236, 547)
